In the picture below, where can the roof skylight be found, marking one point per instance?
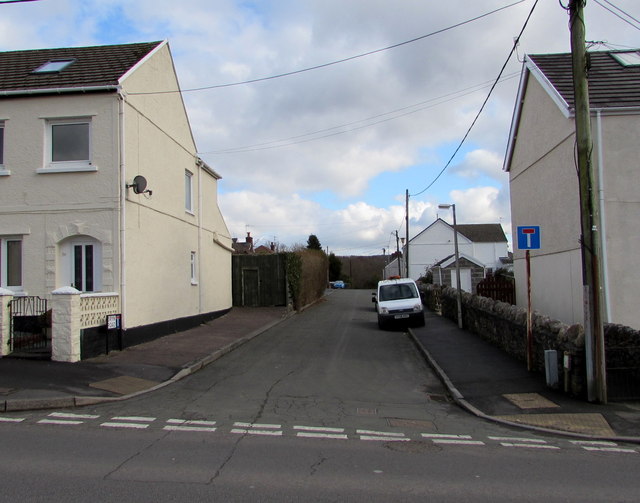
(627, 58)
(54, 66)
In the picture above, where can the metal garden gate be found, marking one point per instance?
(29, 322)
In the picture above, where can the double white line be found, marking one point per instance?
(271, 430)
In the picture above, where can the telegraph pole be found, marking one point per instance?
(406, 251)
(398, 255)
(594, 334)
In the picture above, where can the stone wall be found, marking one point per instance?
(505, 326)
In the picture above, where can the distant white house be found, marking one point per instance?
(484, 245)
(81, 129)
(544, 184)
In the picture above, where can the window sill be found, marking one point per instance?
(4, 172)
(67, 169)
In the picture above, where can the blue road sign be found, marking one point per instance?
(529, 237)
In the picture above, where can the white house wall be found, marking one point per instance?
(45, 207)
(544, 191)
(160, 233)
(437, 242)
(621, 141)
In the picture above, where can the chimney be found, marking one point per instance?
(273, 247)
(249, 241)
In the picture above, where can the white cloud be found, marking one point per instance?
(431, 84)
(481, 162)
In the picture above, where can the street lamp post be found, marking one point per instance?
(457, 255)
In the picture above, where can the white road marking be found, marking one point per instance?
(68, 415)
(189, 428)
(383, 436)
(271, 433)
(319, 428)
(110, 424)
(384, 439)
(60, 421)
(320, 432)
(599, 443)
(11, 419)
(384, 433)
(609, 449)
(519, 440)
(134, 418)
(334, 436)
(191, 422)
(258, 425)
(451, 441)
(530, 446)
(444, 436)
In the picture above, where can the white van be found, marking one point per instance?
(398, 301)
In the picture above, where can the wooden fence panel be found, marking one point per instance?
(497, 289)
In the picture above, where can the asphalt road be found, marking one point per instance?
(323, 407)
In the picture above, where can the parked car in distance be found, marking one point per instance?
(398, 301)
(337, 284)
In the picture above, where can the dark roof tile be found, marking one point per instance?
(93, 66)
(611, 84)
(483, 233)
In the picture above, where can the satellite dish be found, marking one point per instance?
(139, 184)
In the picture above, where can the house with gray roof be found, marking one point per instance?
(484, 247)
(103, 195)
(541, 163)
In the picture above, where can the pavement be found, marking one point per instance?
(479, 377)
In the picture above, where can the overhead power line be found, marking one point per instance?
(473, 123)
(363, 123)
(336, 62)
(636, 26)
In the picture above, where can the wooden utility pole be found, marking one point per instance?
(398, 256)
(594, 334)
(406, 250)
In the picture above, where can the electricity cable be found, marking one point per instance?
(515, 45)
(336, 62)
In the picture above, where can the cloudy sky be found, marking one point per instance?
(331, 149)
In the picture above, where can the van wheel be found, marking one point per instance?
(381, 323)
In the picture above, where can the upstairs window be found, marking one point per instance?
(68, 145)
(1, 145)
(188, 191)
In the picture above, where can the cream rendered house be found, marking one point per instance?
(544, 183)
(78, 126)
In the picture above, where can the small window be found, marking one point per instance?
(194, 268)
(188, 191)
(54, 66)
(1, 144)
(68, 145)
(83, 267)
(11, 263)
